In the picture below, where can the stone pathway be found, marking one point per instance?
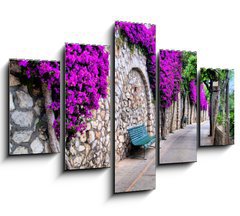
(204, 131)
(133, 174)
(180, 146)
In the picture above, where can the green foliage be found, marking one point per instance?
(221, 119)
(189, 65)
(207, 92)
(208, 75)
(189, 72)
(231, 109)
(132, 46)
(231, 74)
(232, 123)
(231, 101)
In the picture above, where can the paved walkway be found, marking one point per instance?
(180, 146)
(133, 174)
(204, 131)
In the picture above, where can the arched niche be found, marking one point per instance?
(135, 102)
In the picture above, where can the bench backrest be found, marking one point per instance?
(137, 133)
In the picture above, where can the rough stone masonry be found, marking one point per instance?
(27, 119)
(91, 149)
(134, 102)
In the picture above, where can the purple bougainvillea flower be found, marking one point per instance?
(193, 91)
(143, 36)
(203, 98)
(170, 64)
(87, 69)
(23, 63)
(46, 72)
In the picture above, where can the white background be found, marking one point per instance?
(36, 185)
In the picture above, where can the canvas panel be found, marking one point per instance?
(34, 106)
(178, 106)
(217, 107)
(87, 102)
(135, 105)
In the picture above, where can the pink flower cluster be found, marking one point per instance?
(170, 64)
(87, 69)
(203, 98)
(143, 36)
(46, 72)
(193, 91)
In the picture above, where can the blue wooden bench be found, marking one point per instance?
(140, 138)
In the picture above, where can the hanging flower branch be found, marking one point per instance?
(170, 65)
(87, 69)
(203, 98)
(193, 91)
(143, 36)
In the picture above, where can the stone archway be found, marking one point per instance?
(138, 85)
(131, 76)
(136, 108)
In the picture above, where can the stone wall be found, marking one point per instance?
(27, 119)
(92, 148)
(219, 138)
(134, 103)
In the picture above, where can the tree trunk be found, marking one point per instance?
(188, 110)
(223, 109)
(195, 113)
(163, 123)
(183, 112)
(211, 106)
(191, 112)
(173, 113)
(54, 143)
(215, 112)
(177, 113)
(227, 127)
